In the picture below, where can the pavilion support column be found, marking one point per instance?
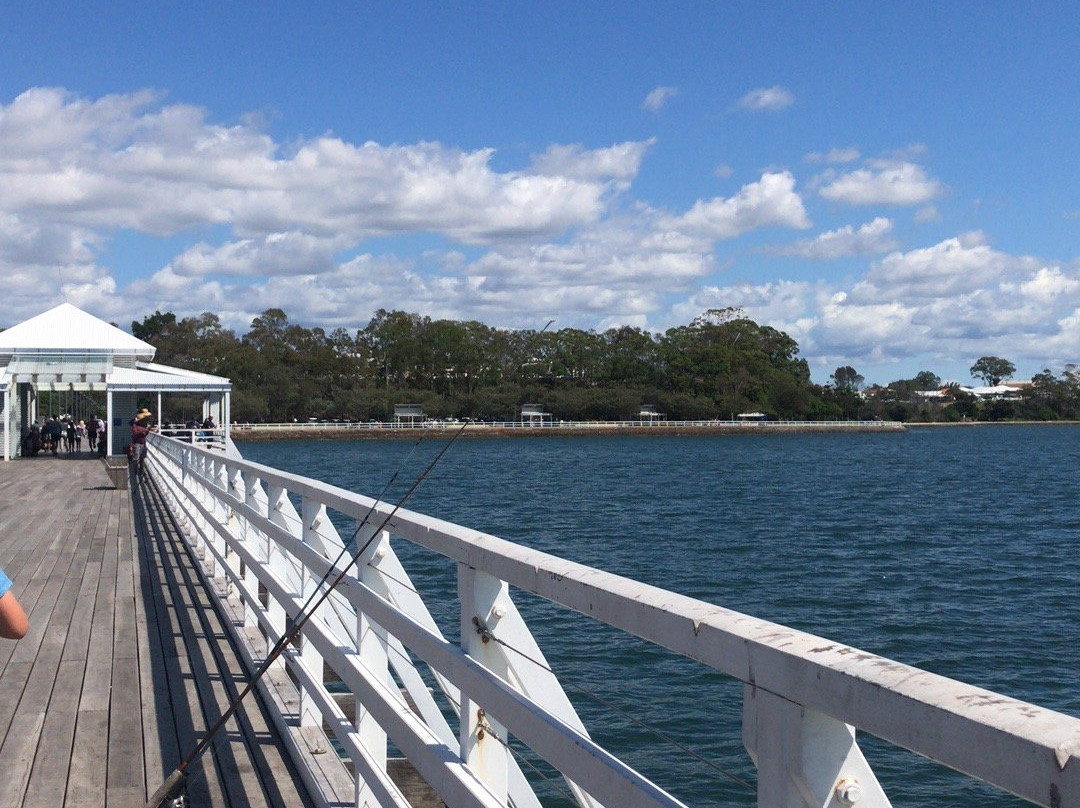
(29, 402)
(109, 422)
(7, 422)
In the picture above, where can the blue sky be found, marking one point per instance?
(893, 184)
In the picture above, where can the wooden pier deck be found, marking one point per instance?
(126, 663)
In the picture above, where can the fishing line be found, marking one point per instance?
(555, 784)
(406, 585)
(356, 531)
(486, 632)
(172, 788)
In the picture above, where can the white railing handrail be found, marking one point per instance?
(1024, 749)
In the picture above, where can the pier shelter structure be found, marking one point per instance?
(409, 414)
(93, 368)
(534, 415)
(648, 414)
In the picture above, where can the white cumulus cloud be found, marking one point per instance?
(945, 304)
(658, 98)
(771, 201)
(847, 154)
(869, 239)
(1049, 284)
(622, 161)
(901, 183)
(273, 254)
(958, 265)
(767, 99)
(120, 162)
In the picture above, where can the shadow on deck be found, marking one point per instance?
(127, 662)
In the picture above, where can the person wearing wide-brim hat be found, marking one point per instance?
(139, 430)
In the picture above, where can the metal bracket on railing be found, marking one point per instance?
(805, 758)
(485, 633)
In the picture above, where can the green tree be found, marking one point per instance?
(630, 357)
(992, 369)
(267, 332)
(961, 404)
(1052, 397)
(925, 380)
(394, 346)
(574, 356)
(152, 326)
(699, 359)
(736, 363)
(451, 354)
(846, 379)
(197, 343)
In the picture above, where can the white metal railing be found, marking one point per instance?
(214, 438)
(267, 536)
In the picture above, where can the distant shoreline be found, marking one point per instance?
(256, 432)
(990, 423)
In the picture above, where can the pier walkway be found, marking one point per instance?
(128, 661)
(125, 663)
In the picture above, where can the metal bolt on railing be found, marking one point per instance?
(848, 791)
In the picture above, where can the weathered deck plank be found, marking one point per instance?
(126, 662)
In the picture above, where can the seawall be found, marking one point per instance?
(254, 432)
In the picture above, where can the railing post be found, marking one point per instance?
(236, 526)
(255, 498)
(200, 524)
(380, 569)
(312, 514)
(482, 739)
(278, 511)
(372, 645)
(221, 512)
(805, 759)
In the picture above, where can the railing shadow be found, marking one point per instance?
(185, 616)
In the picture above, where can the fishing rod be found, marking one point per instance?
(171, 793)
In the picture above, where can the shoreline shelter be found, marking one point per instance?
(73, 358)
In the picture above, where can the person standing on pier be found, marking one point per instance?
(13, 621)
(56, 433)
(144, 422)
(91, 432)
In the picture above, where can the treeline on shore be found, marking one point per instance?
(719, 365)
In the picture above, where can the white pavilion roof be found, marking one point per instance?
(69, 329)
(149, 377)
(66, 348)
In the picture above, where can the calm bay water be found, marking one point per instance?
(952, 549)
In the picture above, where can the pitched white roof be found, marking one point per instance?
(68, 328)
(996, 390)
(150, 377)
